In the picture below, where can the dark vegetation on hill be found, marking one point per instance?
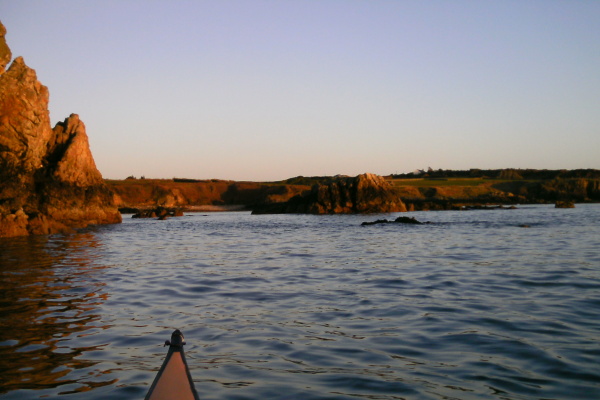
(307, 180)
(510, 173)
(447, 189)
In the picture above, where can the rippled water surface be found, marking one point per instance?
(471, 306)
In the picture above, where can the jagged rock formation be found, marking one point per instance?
(366, 193)
(48, 179)
(5, 53)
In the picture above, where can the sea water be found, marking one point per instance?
(480, 304)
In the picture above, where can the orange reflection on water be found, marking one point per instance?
(50, 291)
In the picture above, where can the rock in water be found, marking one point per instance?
(399, 220)
(48, 179)
(564, 204)
(366, 193)
(407, 220)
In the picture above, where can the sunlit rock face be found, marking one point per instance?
(5, 54)
(48, 179)
(366, 193)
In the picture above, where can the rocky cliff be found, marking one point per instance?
(293, 195)
(5, 53)
(366, 193)
(196, 195)
(48, 179)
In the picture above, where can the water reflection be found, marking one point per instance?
(50, 291)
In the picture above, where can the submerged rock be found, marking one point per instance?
(399, 220)
(564, 204)
(161, 213)
(48, 179)
(379, 221)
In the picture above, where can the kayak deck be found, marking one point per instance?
(173, 380)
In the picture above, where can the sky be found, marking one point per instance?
(267, 90)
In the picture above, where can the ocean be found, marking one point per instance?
(479, 304)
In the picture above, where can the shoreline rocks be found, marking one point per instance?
(161, 213)
(363, 194)
(49, 182)
(564, 204)
(399, 220)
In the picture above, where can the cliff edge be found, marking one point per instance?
(48, 178)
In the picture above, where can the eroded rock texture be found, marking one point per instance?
(48, 179)
(5, 54)
(366, 193)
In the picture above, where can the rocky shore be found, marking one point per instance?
(363, 194)
(367, 193)
(48, 179)
(490, 188)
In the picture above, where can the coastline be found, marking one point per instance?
(438, 190)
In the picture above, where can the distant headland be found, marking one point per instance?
(366, 193)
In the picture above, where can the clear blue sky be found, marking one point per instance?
(267, 90)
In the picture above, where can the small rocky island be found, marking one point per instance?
(363, 194)
(49, 182)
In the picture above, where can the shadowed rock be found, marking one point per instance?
(366, 193)
(399, 220)
(161, 213)
(564, 204)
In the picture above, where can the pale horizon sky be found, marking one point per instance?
(268, 90)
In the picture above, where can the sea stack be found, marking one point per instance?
(365, 193)
(49, 182)
(362, 194)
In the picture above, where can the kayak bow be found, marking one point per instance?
(173, 380)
